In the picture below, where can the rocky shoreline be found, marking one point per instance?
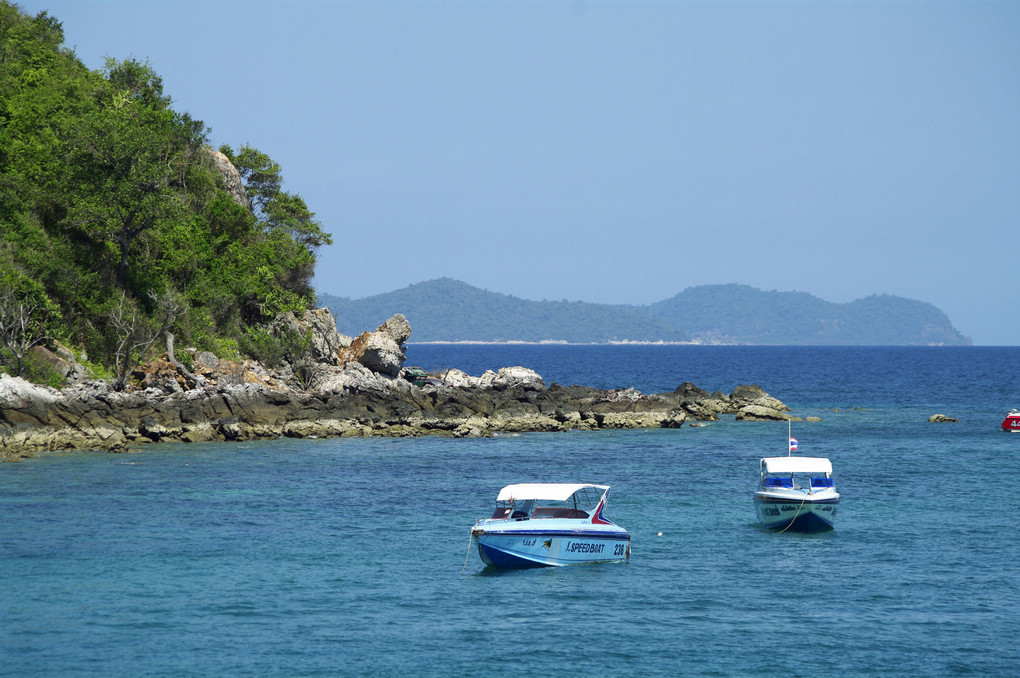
(347, 387)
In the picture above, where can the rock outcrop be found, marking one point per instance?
(231, 177)
(319, 326)
(941, 419)
(357, 390)
(380, 351)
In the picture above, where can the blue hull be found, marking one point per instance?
(805, 522)
(789, 515)
(551, 548)
(504, 560)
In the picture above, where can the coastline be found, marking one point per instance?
(36, 420)
(342, 387)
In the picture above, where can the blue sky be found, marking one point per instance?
(619, 152)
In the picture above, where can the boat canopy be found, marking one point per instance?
(796, 465)
(545, 491)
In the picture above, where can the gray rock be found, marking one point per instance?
(508, 377)
(760, 413)
(206, 360)
(941, 419)
(380, 353)
(231, 177)
(319, 325)
(397, 328)
(754, 395)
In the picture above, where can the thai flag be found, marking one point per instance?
(793, 444)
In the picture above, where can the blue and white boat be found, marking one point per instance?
(550, 524)
(796, 494)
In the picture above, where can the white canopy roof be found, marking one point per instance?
(548, 491)
(796, 465)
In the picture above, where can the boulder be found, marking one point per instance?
(708, 410)
(359, 378)
(700, 404)
(619, 395)
(505, 378)
(378, 352)
(508, 377)
(455, 377)
(23, 402)
(397, 328)
(42, 355)
(760, 413)
(319, 325)
(687, 392)
(617, 420)
(204, 360)
(160, 374)
(941, 419)
(745, 395)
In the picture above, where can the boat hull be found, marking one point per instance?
(1011, 423)
(796, 514)
(546, 548)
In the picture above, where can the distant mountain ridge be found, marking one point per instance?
(450, 310)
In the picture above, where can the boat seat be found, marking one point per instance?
(779, 482)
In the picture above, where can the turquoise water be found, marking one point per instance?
(350, 557)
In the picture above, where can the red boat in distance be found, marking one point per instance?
(1012, 421)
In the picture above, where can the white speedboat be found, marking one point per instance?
(549, 524)
(796, 494)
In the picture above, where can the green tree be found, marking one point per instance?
(283, 218)
(131, 158)
(110, 202)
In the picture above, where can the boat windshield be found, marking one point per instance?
(812, 482)
(578, 506)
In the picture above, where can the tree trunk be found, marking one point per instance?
(193, 378)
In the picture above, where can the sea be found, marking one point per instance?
(352, 557)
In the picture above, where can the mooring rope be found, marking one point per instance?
(467, 555)
(794, 516)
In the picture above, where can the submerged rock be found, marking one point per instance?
(941, 419)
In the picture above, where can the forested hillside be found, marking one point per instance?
(115, 223)
(449, 310)
(741, 314)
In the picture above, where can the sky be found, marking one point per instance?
(618, 151)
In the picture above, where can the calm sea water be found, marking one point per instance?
(350, 557)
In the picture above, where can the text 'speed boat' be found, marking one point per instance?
(549, 524)
(1012, 421)
(796, 494)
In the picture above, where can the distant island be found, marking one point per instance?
(447, 310)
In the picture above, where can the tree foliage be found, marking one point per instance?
(110, 201)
